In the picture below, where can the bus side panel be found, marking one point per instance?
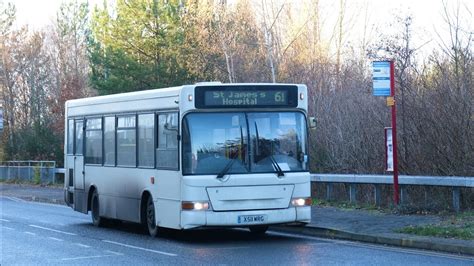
(167, 195)
(118, 189)
(80, 200)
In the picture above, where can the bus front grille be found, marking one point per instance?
(250, 197)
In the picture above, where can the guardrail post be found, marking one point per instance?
(378, 195)
(352, 193)
(328, 191)
(403, 194)
(456, 199)
(30, 177)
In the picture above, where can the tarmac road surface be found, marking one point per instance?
(48, 234)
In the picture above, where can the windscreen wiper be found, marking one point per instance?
(226, 169)
(272, 159)
(278, 169)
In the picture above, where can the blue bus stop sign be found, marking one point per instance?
(381, 78)
(1, 118)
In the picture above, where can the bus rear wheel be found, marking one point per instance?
(95, 214)
(258, 229)
(150, 218)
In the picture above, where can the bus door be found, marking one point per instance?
(80, 197)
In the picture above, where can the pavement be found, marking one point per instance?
(326, 222)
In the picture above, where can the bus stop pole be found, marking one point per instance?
(396, 194)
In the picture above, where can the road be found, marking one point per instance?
(48, 234)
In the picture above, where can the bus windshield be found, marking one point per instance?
(244, 142)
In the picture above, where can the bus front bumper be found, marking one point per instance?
(193, 219)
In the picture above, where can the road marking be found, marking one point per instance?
(4, 220)
(14, 199)
(88, 257)
(82, 245)
(48, 204)
(379, 247)
(53, 230)
(54, 238)
(140, 248)
(49, 222)
(220, 248)
(29, 233)
(8, 228)
(115, 253)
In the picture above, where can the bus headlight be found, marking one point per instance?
(300, 202)
(194, 205)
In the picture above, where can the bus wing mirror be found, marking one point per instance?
(312, 122)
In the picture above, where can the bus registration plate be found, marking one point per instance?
(251, 219)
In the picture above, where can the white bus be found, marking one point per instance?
(202, 155)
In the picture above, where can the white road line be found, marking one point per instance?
(29, 233)
(82, 245)
(14, 199)
(8, 228)
(4, 220)
(379, 247)
(87, 257)
(53, 230)
(48, 204)
(54, 238)
(113, 252)
(140, 248)
(220, 248)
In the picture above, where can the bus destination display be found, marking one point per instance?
(244, 97)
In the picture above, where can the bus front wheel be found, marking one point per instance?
(150, 217)
(96, 219)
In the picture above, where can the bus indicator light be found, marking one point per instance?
(300, 202)
(152, 180)
(194, 206)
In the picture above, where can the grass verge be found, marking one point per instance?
(460, 226)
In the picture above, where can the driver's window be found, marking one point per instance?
(167, 148)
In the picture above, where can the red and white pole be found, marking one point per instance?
(396, 192)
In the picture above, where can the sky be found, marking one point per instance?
(39, 13)
(428, 22)
(427, 12)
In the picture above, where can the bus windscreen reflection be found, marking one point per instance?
(233, 143)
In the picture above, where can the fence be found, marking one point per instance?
(46, 172)
(454, 182)
(35, 171)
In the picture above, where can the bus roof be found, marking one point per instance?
(165, 98)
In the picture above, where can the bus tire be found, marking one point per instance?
(258, 229)
(151, 217)
(97, 220)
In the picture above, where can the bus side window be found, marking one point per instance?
(146, 124)
(79, 137)
(126, 141)
(167, 148)
(109, 140)
(93, 141)
(70, 136)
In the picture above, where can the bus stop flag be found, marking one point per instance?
(381, 78)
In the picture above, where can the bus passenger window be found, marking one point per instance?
(94, 141)
(109, 140)
(126, 141)
(79, 137)
(70, 136)
(167, 150)
(146, 143)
